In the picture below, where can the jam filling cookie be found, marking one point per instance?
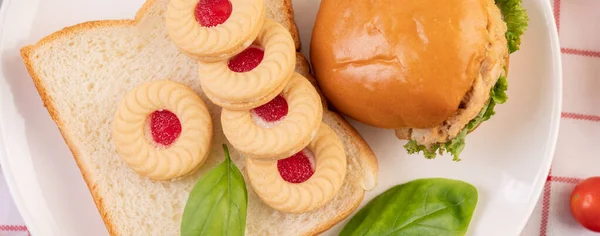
(254, 76)
(162, 130)
(280, 128)
(214, 30)
(298, 168)
(305, 181)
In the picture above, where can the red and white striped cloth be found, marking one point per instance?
(578, 23)
(576, 156)
(11, 223)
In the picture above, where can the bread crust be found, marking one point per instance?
(341, 216)
(368, 160)
(49, 104)
(289, 11)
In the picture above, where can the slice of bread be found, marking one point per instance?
(83, 71)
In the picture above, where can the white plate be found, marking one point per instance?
(507, 158)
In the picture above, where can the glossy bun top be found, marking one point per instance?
(399, 63)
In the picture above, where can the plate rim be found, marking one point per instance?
(552, 140)
(16, 189)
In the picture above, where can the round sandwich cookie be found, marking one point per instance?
(162, 130)
(304, 181)
(279, 128)
(214, 30)
(254, 76)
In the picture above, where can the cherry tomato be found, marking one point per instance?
(585, 203)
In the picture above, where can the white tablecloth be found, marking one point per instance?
(576, 155)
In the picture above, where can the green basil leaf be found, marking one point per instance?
(217, 205)
(436, 207)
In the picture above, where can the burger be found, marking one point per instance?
(431, 70)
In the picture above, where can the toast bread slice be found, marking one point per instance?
(83, 71)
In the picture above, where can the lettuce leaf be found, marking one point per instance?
(497, 96)
(456, 145)
(516, 20)
(498, 93)
(412, 147)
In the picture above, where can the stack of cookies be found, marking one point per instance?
(272, 115)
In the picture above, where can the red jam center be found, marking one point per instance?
(295, 169)
(165, 127)
(273, 111)
(247, 60)
(211, 13)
